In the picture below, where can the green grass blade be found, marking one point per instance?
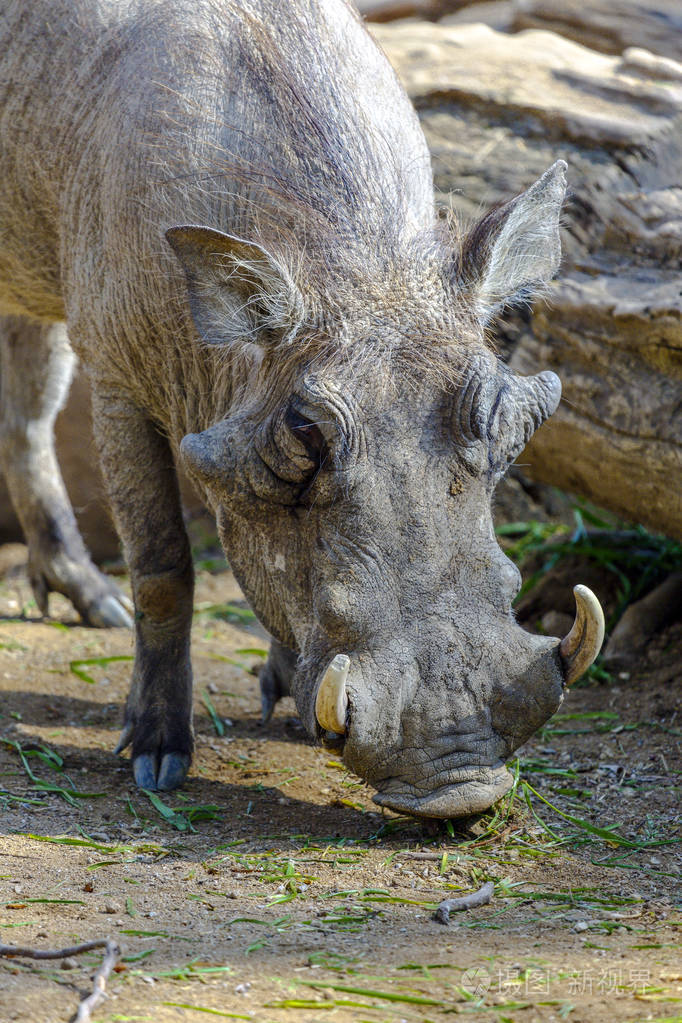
(212, 1012)
(213, 713)
(77, 667)
(177, 820)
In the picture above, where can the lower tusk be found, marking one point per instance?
(580, 647)
(331, 703)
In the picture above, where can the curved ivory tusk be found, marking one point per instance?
(580, 647)
(331, 702)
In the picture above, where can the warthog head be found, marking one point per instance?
(353, 485)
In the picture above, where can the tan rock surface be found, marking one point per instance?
(497, 110)
(390, 10)
(608, 25)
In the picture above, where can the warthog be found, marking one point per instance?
(230, 205)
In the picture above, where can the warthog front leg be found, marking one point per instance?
(275, 677)
(140, 475)
(36, 365)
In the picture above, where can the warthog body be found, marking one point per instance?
(317, 345)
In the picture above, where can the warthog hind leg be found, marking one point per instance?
(36, 365)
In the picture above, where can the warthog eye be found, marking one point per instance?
(309, 434)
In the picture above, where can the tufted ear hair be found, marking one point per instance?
(515, 249)
(237, 290)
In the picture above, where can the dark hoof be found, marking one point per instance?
(97, 599)
(174, 768)
(171, 774)
(110, 612)
(144, 771)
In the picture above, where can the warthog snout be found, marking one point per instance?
(455, 764)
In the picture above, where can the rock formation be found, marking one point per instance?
(497, 110)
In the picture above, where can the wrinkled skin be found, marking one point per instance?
(402, 569)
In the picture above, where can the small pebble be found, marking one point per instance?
(242, 989)
(112, 907)
(581, 925)
(212, 687)
(68, 964)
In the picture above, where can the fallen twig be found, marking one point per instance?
(480, 898)
(111, 958)
(12, 951)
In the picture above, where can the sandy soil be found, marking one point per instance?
(295, 898)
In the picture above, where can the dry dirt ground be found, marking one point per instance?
(271, 888)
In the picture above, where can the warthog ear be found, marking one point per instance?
(237, 290)
(515, 249)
